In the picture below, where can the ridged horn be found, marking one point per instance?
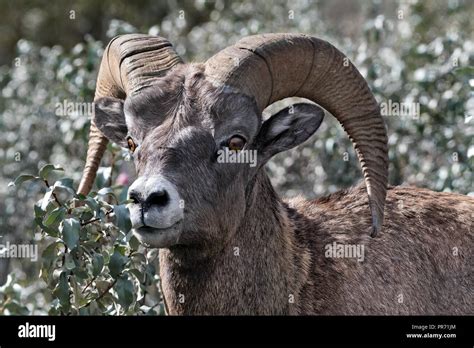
(129, 63)
(272, 67)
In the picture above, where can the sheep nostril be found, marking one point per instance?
(134, 197)
(158, 198)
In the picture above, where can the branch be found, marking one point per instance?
(95, 219)
(111, 285)
(54, 195)
(88, 284)
(103, 294)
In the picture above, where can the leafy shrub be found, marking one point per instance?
(90, 261)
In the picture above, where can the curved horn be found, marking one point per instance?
(271, 67)
(130, 63)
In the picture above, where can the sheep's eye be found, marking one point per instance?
(236, 143)
(131, 144)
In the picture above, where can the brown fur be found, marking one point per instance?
(281, 248)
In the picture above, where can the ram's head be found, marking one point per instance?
(197, 134)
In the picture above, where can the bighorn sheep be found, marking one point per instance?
(229, 244)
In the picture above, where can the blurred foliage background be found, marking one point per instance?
(409, 51)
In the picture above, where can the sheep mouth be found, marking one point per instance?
(159, 237)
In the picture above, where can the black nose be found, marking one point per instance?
(159, 198)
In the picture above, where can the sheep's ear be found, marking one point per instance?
(287, 129)
(110, 119)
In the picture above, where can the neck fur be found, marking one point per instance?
(258, 272)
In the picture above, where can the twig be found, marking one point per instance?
(103, 294)
(95, 219)
(88, 284)
(54, 195)
(111, 285)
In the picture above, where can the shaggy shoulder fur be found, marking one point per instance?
(422, 262)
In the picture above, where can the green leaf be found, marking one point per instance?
(69, 262)
(150, 272)
(80, 210)
(39, 212)
(62, 290)
(94, 308)
(21, 179)
(125, 292)
(50, 231)
(152, 254)
(79, 299)
(122, 218)
(66, 185)
(97, 264)
(102, 176)
(134, 243)
(122, 249)
(106, 191)
(466, 70)
(56, 215)
(15, 308)
(139, 275)
(101, 285)
(92, 203)
(46, 198)
(116, 264)
(70, 230)
(86, 216)
(123, 196)
(48, 168)
(50, 254)
(139, 258)
(81, 273)
(65, 182)
(85, 310)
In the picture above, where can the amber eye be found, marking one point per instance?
(236, 143)
(131, 144)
